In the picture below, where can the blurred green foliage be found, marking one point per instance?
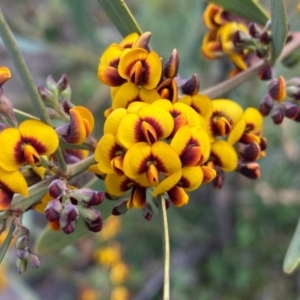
(226, 244)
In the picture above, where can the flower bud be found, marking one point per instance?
(21, 243)
(263, 144)
(171, 66)
(265, 38)
(6, 107)
(52, 85)
(148, 212)
(91, 215)
(254, 30)
(265, 105)
(218, 181)
(294, 92)
(261, 52)
(277, 115)
(57, 188)
(266, 73)
(249, 169)
(240, 38)
(277, 89)
(120, 208)
(22, 230)
(63, 88)
(53, 210)
(250, 152)
(22, 254)
(68, 228)
(22, 265)
(290, 110)
(34, 261)
(143, 41)
(70, 213)
(46, 95)
(88, 196)
(191, 86)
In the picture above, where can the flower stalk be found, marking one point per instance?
(166, 246)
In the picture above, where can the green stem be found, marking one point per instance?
(166, 246)
(24, 114)
(6, 242)
(20, 64)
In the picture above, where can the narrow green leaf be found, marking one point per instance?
(121, 16)
(247, 9)
(292, 257)
(279, 28)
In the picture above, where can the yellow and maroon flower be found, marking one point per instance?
(141, 67)
(226, 114)
(109, 154)
(214, 16)
(109, 61)
(11, 183)
(147, 163)
(149, 124)
(4, 75)
(26, 144)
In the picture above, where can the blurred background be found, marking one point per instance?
(226, 244)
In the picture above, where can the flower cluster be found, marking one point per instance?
(163, 136)
(229, 35)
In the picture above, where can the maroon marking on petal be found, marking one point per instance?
(152, 121)
(216, 159)
(159, 164)
(175, 113)
(116, 150)
(144, 164)
(36, 144)
(146, 73)
(126, 185)
(137, 131)
(114, 63)
(5, 198)
(18, 153)
(215, 115)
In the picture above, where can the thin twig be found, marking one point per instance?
(7, 241)
(166, 246)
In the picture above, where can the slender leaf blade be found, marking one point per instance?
(279, 28)
(292, 257)
(121, 16)
(247, 9)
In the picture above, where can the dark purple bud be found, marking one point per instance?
(290, 110)
(218, 181)
(57, 188)
(249, 169)
(294, 92)
(251, 152)
(70, 212)
(266, 73)
(63, 83)
(6, 108)
(53, 210)
(277, 115)
(261, 52)
(191, 86)
(265, 105)
(240, 38)
(45, 94)
(94, 227)
(265, 38)
(254, 30)
(277, 89)
(88, 196)
(263, 144)
(68, 228)
(91, 215)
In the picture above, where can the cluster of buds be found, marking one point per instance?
(282, 100)
(67, 203)
(24, 254)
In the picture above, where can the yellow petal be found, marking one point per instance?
(14, 181)
(106, 150)
(178, 196)
(11, 155)
(4, 75)
(129, 40)
(87, 115)
(117, 185)
(191, 178)
(113, 120)
(166, 184)
(236, 132)
(40, 135)
(153, 69)
(126, 93)
(224, 155)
